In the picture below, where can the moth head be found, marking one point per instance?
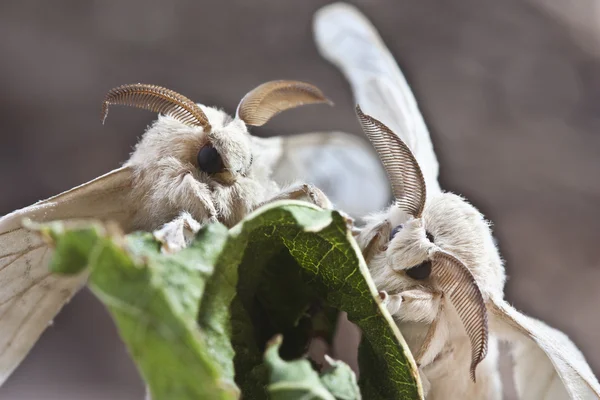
(438, 243)
(215, 147)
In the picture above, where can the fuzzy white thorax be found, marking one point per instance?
(547, 364)
(457, 228)
(167, 180)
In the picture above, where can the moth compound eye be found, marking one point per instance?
(394, 231)
(209, 160)
(420, 272)
(429, 236)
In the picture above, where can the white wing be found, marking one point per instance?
(30, 296)
(547, 365)
(347, 39)
(344, 166)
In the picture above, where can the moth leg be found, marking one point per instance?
(374, 240)
(419, 306)
(349, 223)
(425, 384)
(199, 202)
(391, 301)
(415, 305)
(177, 234)
(424, 355)
(316, 197)
(313, 193)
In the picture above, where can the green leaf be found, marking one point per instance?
(340, 380)
(296, 379)
(315, 251)
(155, 300)
(72, 251)
(293, 380)
(192, 318)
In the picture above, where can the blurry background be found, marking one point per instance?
(510, 91)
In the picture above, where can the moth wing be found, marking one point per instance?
(346, 38)
(344, 166)
(547, 364)
(30, 296)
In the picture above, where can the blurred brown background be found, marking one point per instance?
(509, 90)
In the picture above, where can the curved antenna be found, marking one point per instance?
(269, 99)
(457, 283)
(406, 178)
(158, 99)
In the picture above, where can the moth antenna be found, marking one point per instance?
(457, 283)
(269, 99)
(404, 173)
(158, 99)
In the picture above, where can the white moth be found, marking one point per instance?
(194, 165)
(440, 274)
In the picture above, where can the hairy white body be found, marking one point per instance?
(194, 165)
(546, 364)
(167, 181)
(457, 228)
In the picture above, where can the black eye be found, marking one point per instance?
(421, 271)
(429, 236)
(209, 160)
(394, 231)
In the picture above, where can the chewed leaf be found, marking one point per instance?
(314, 248)
(189, 320)
(297, 379)
(340, 380)
(290, 380)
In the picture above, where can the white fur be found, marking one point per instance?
(160, 188)
(459, 229)
(547, 366)
(167, 180)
